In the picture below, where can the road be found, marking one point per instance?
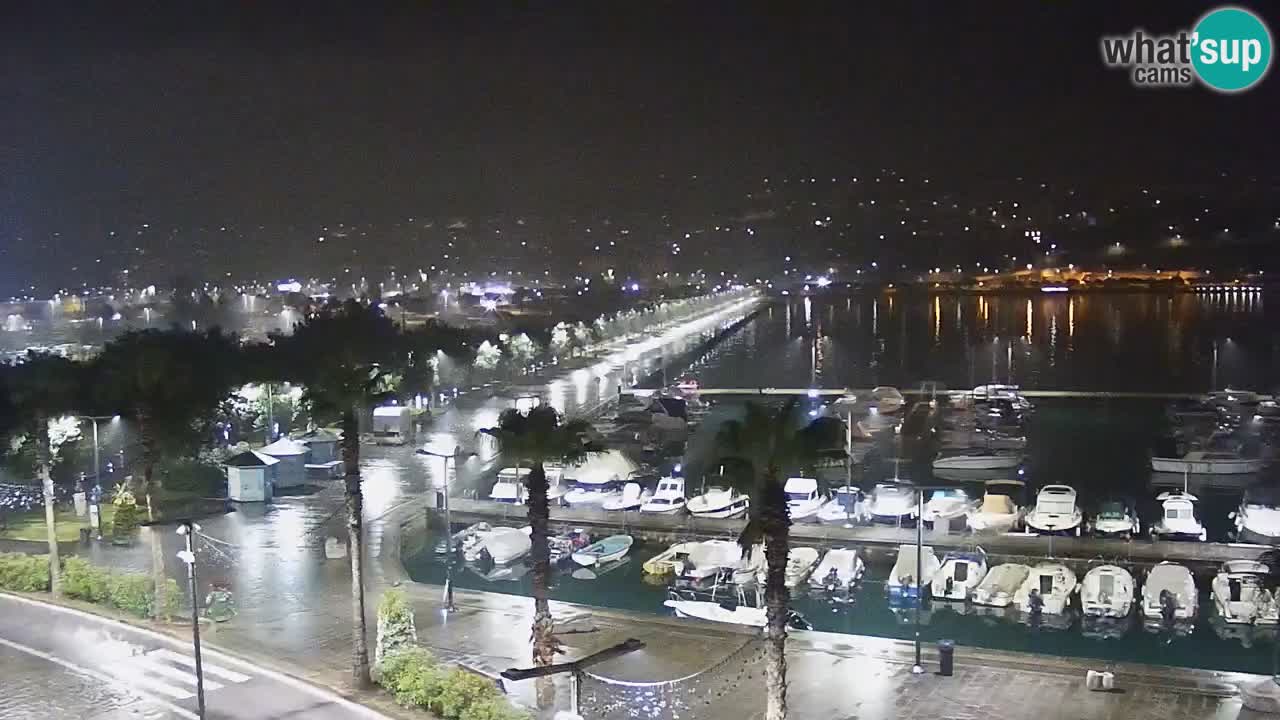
(60, 663)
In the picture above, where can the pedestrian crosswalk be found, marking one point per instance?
(170, 674)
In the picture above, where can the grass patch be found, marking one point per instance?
(31, 526)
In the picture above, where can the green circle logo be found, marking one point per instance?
(1231, 49)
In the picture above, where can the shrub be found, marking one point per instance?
(84, 581)
(494, 708)
(396, 629)
(131, 592)
(24, 573)
(463, 689)
(170, 601)
(413, 677)
(126, 521)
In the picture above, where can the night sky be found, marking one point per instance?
(182, 113)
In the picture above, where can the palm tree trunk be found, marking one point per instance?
(777, 531)
(355, 547)
(46, 479)
(544, 641)
(149, 457)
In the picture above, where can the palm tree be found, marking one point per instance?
(531, 439)
(170, 383)
(345, 356)
(772, 442)
(43, 388)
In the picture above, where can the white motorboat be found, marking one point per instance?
(800, 562)
(905, 578)
(946, 504)
(1001, 584)
(979, 460)
(1258, 518)
(1107, 591)
(717, 612)
(982, 393)
(1055, 512)
(596, 479)
(709, 558)
(959, 576)
(719, 502)
(846, 505)
(1169, 594)
(588, 494)
(669, 561)
(803, 500)
(1204, 462)
(1178, 518)
(1232, 397)
(633, 497)
(564, 545)
(887, 400)
(841, 568)
(604, 551)
(893, 504)
(668, 498)
(506, 545)
(1047, 589)
(1115, 518)
(1241, 595)
(999, 512)
(509, 487)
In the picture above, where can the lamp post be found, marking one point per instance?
(187, 529)
(918, 667)
(456, 455)
(95, 519)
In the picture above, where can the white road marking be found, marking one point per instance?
(180, 711)
(155, 667)
(133, 677)
(215, 670)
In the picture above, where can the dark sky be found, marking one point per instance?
(291, 112)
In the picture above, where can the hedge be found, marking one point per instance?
(131, 592)
(24, 573)
(416, 680)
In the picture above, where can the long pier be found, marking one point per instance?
(879, 543)
(841, 392)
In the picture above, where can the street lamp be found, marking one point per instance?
(187, 529)
(456, 455)
(95, 514)
(918, 667)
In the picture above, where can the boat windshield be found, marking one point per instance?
(661, 501)
(961, 573)
(1046, 584)
(947, 494)
(1112, 511)
(799, 496)
(1175, 513)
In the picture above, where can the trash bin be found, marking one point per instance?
(946, 657)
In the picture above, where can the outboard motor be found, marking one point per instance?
(796, 621)
(951, 583)
(1168, 606)
(832, 581)
(1035, 603)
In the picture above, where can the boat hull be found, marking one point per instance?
(1253, 537)
(1205, 467)
(996, 462)
(730, 511)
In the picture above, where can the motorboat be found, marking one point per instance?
(946, 504)
(598, 478)
(1258, 518)
(800, 563)
(982, 459)
(1231, 397)
(719, 502)
(732, 614)
(1241, 595)
(893, 504)
(605, 551)
(564, 545)
(887, 400)
(468, 541)
(707, 559)
(504, 545)
(1107, 591)
(999, 513)
(959, 576)
(803, 499)
(906, 578)
(586, 494)
(1055, 512)
(1116, 519)
(840, 569)
(1178, 518)
(668, 498)
(1169, 594)
(1208, 462)
(633, 497)
(669, 561)
(1000, 585)
(982, 393)
(509, 487)
(1047, 590)
(846, 505)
